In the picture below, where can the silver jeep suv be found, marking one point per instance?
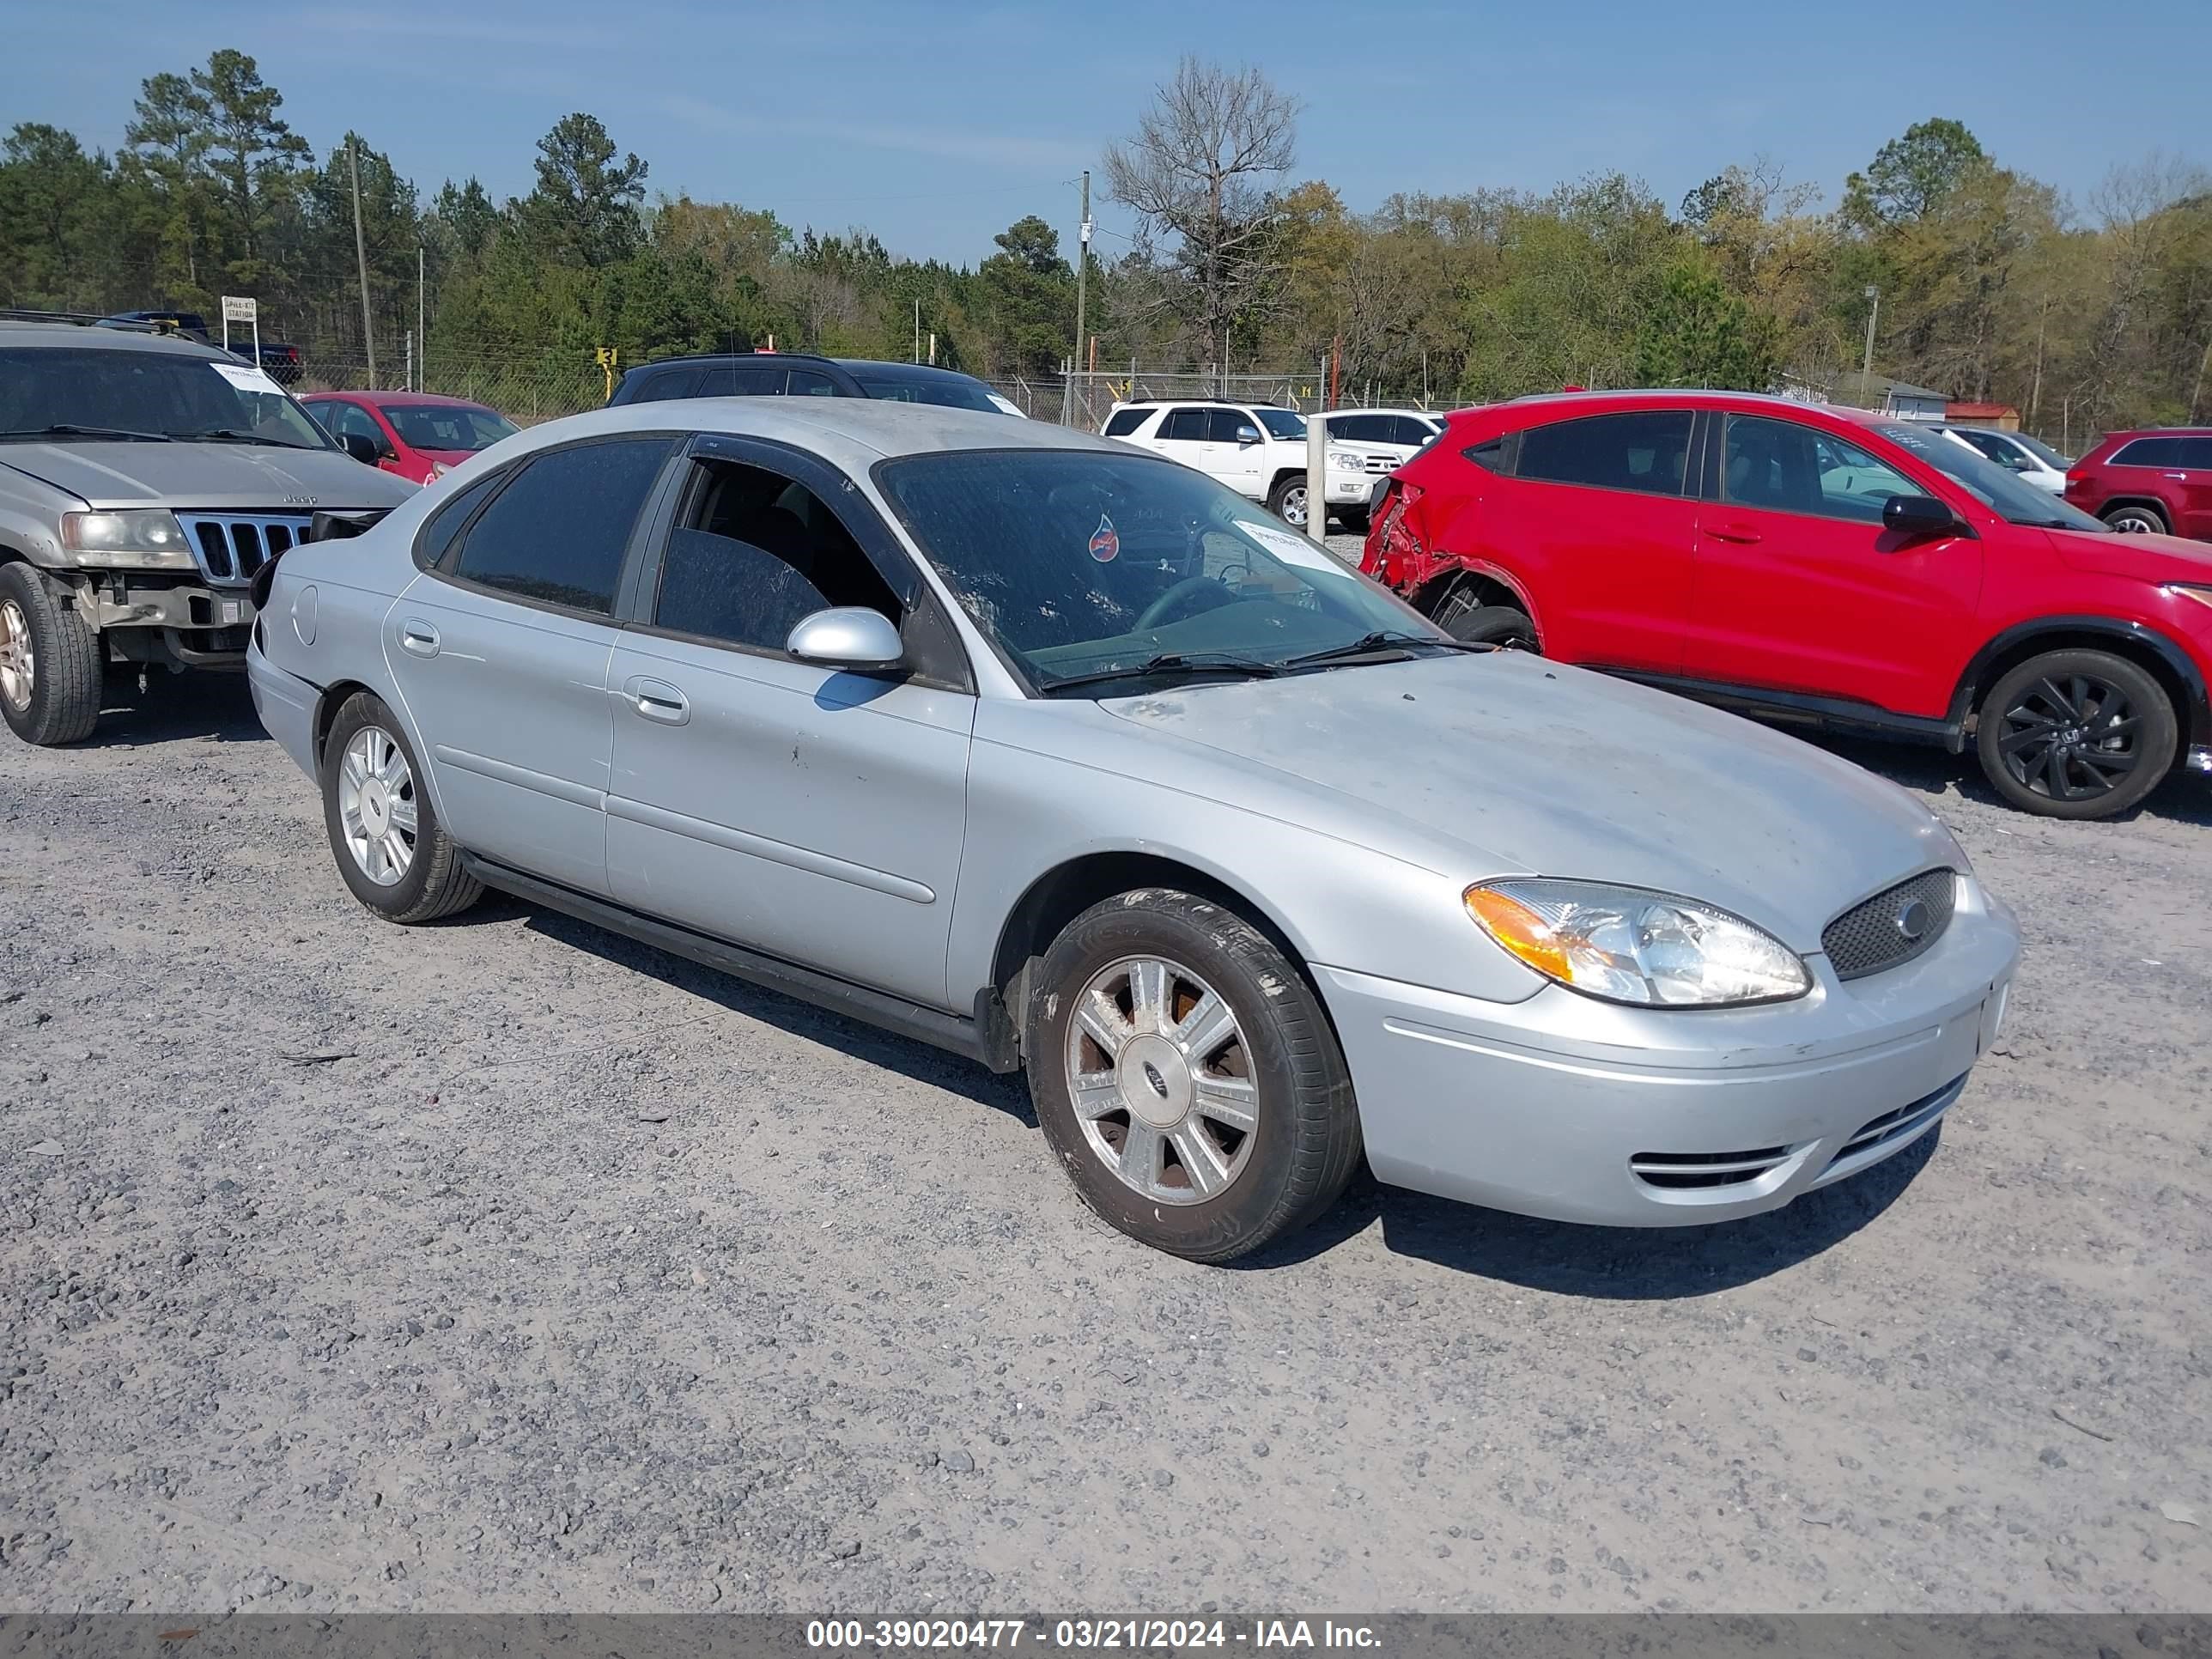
(144, 480)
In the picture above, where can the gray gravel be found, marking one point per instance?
(504, 1264)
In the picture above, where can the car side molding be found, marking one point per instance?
(988, 1038)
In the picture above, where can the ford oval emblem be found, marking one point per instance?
(1913, 919)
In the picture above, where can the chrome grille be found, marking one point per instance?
(1382, 463)
(231, 546)
(1902, 1124)
(1679, 1172)
(1871, 936)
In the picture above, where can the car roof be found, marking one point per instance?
(398, 399)
(852, 433)
(1417, 413)
(888, 371)
(18, 333)
(2161, 431)
(882, 368)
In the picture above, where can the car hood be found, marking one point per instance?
(2149, 558)
(1523, 767)
(222, 478)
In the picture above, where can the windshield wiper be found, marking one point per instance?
(72, 429)
(1367, 644)
(223, 435)
(1171, 662)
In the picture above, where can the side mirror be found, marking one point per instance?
(1917, 516)
(849, 636)
(361, 448)
(1247, 436)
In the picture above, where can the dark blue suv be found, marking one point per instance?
(784, 373)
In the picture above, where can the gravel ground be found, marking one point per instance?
(504, 1264)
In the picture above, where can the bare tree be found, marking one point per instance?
(1201, 167)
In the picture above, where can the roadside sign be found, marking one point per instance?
(239, 308)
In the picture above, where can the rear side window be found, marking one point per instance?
(1122, 422)
(556, 535)
(1185, 425)
(671, 383)
(1644, 451)
(438, 530)
(2150, 452)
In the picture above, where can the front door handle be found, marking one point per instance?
(418, 638)
(657, 699)
(1742, 534)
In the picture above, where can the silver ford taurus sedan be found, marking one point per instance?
(1065, 758)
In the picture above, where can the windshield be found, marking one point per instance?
(1079, 564)
(447, 426)
(951, 394)
(2042, 451)
(161, 393)
(1282, 423)
(1990, 483)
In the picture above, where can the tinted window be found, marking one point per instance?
(670, 383)
(1184, 426)
(436, 539)
(1644, 451)
(2197, 451)
(1230, 426)
(353, 418)
(2048, 456)
(1995, 448)
(810, 382)
(556, 534)
(1365, 428)
(1789, 468)
(748, 381)
(947, 391)
(1282, 423)
(1122, 422)
(1413, 432)
(1493, 454)
(2149, 451)
(757, 552)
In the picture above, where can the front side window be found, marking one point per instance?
(754, 552)
(353, 421)
(1783, 467)
(2004, 493)
(1283, 423)
(122, 394)
(1078, 565)
(556, 535)
(1995, 448)
(1415, 432)
(2196, 452)
(1646, 451)
(1230, 426)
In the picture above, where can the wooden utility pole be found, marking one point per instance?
(422, 328)
(361, 258)
(1082, 280)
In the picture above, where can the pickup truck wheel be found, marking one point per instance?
(383, 832)
(1186, 1076)
(2134, 520)
(50, 662)
(2076, 734)
(1287, 499)
(1466, 617)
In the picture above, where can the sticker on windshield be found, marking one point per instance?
(1105, 541)
(247, 378)
(1290, 547)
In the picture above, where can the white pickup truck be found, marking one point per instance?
(1257, 449)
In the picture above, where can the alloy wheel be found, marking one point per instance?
(2136, 521)
(1294, 506)
(1160, 1077)
(376, 806)
(2070, 737)
(18, 663)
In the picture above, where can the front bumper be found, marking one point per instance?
(1577, 1111)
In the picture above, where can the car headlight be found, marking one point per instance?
(1626, 944)
(138, 539)
(1345, 461)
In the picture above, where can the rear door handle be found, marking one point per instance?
(657, 699)
(418, 638)
(1740, 533)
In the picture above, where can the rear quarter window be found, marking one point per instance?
(1122, 422)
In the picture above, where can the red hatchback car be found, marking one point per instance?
(417, 434)
(2157, 481)
(1816, 565)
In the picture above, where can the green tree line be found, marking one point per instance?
(1990, 286)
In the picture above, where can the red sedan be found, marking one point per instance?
(1821, 566)
(418, 434)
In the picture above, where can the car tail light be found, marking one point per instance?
(1392, 538)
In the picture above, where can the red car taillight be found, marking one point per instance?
(1392, 538)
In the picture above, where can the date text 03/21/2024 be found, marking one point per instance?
(1135, 1634)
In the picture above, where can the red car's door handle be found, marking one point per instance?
(1742, 533)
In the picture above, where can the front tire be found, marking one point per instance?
(50, 662)
(383, 832)
(1186, 1076)
(2076, 734)
(1287, 499)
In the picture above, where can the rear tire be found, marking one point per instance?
(1464, 617)
(1218, 1111)
(2076, 734)
(51, 674)
(384, 831)
(2136, 520)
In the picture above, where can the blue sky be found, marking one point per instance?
(936, 123)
